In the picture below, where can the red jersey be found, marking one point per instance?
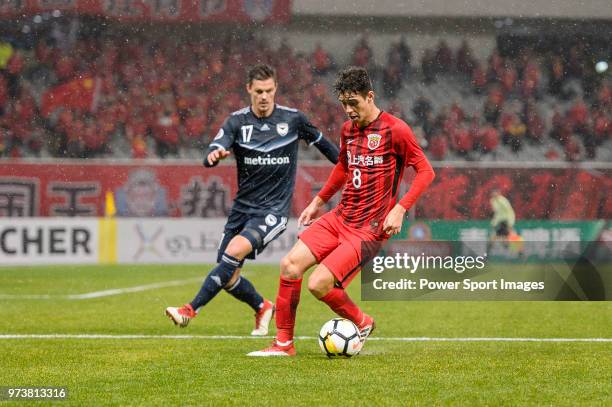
(374, 157)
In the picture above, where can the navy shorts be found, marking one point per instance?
(260, 230)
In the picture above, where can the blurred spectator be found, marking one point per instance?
(495, 67)
(392, 81)
(139, 147)
(456, 112)
(576, 60)
(322, 61)
(493, 105)
(579, 115)
(3, 142)
(465, 62)
(419, 135)
(514, 130)
(508, 77)
(603, 98)
(422, 108)
(556, 76)
(443, 58)
(12, 71)
(572, 149)
(479, 79)
(362, 55)
(174, 94)
(489, 138)
(438, 147)
(166, 133)
(405, 55)
(6, 52)
(534, 122)
(602, 126)
(93, 141)
(462, 141)
(531, 79)
(428, 66)
(395, 108)
(3, 94)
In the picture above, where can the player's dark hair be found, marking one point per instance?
(261, 72)
(353, 79)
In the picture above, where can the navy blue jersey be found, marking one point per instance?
(266, 152)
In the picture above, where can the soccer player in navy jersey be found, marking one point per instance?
(264, 138)
(375, 149)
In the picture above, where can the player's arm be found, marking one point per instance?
(219, 148)
(309, 133)
(408, 147)
(334, 183)
(424, 176)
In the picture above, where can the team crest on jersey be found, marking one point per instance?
(282, 129)
(271, 220)
(374, 141)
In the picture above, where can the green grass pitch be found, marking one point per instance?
(202, 371)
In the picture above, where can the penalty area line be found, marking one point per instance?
(241, 337)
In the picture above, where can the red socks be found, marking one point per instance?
(339, 301)
(286, 305)
(289, 297)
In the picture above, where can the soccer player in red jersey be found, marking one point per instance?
(375, 149)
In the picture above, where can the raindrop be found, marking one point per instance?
(601, 66)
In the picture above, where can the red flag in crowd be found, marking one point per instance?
(80, 93)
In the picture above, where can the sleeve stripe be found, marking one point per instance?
(219, 146)
(317, 140)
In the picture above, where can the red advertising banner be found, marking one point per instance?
(182, 190)
(241, 11)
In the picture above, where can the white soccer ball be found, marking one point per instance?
(339, 337)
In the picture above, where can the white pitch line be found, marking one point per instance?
(224, 337)
(98, 294)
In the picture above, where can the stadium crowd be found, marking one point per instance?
(76, 95)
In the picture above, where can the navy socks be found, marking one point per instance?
(216, 280)
(244, 291)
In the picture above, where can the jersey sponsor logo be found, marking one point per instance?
(259, 160)
(219, 135)
(282, 129)
(363, 160)
(271, 220)
(374, 141)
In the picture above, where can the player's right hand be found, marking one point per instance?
(309, 214)
(217, 155)
(307, 217)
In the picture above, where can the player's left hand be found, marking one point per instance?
(393, 222)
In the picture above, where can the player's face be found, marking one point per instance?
(262, 96)
(358, 108)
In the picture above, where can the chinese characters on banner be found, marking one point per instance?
(174, 190)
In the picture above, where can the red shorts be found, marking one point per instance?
(338, 246)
